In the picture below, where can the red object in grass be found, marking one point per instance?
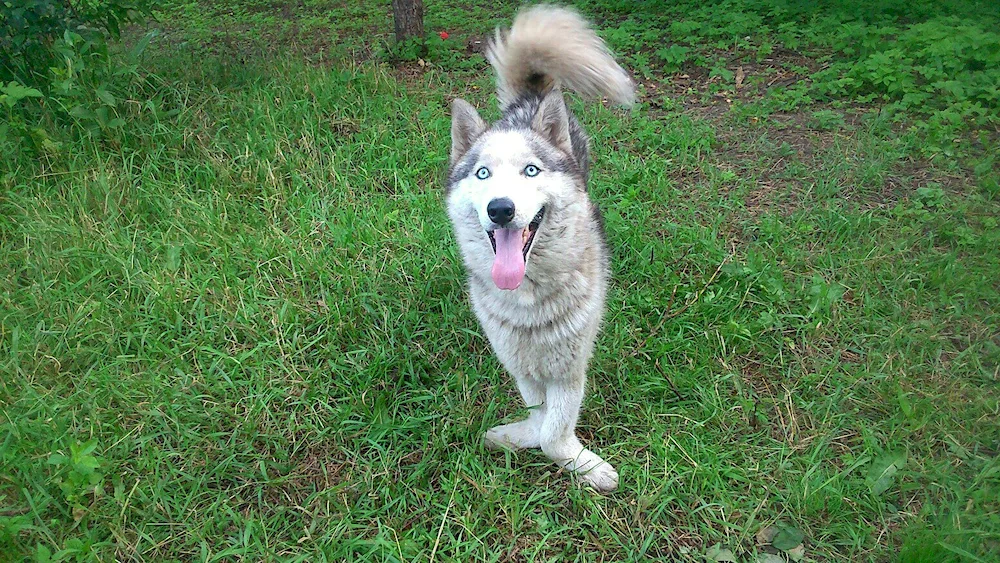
(443, 34)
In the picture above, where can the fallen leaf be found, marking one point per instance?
(796, 553)
(770, 558)
(739, 77)
(720, 554)
(766, 534)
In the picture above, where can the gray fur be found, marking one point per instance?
(548, 46)
(543, 332)
(520, 115)
(466, 127)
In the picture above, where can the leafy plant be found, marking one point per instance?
(59, 51)
(75, 549)
(30, 28)
(11, 526)
(882, 472)
(673, 57)
(78, 474)
(823, 296)
(11, 96)
(826, 120)
(945, 70)
(14, 92)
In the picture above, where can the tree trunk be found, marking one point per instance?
(409, 18)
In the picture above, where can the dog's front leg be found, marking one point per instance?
(559, 441)
(525, 433)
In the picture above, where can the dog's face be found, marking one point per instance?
(507, 188)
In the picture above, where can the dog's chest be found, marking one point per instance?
(543, 315)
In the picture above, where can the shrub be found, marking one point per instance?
(31, 29)
(58, 49)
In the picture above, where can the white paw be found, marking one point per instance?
(591, 470)
(602, 478)
(516, 436)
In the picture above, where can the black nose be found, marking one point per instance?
(500, 210)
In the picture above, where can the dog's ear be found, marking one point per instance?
(552, 122)
(466, 127)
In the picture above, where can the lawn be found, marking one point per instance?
(234, 326)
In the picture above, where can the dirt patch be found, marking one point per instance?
(476, 44)
(784, 157)
(410, 73)
(319, 467)
(775, 398)
(710, 94)
(755, 375)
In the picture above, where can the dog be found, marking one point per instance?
(531, 240)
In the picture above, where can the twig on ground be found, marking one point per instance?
(673, 386)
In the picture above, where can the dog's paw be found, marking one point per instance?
(602, 478)
(517, 436)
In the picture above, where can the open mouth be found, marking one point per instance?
(510, 252)
(527, 235)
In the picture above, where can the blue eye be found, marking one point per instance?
(483, 173)
(531, 171)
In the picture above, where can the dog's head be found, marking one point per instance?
(507, 183)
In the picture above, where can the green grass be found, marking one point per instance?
(240, 332)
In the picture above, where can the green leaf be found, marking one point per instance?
(106, 97)
(788, 537)
(81, 112)
(89, 462)
(75, 543)
(58, 459)
(18, 91)
(14, 92)
(720, 554)
(88, 447)
(43, 554)
(882, 473)
(904, 404)
(140, 47)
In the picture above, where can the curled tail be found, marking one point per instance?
(551, 47)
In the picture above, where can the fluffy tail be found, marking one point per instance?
(549, 47)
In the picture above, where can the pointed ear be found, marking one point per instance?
(552, 122)
(466, 127)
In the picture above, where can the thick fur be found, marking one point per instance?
(543, 331)
(556, 46)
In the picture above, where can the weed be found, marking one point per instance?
(77, 475)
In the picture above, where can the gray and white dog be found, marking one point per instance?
(531, 239)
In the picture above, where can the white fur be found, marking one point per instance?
(505, 155)
(556, 41)
(543, 332)
(565, 280)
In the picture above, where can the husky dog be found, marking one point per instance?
(531, 239)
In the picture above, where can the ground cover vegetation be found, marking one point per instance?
(233, 324)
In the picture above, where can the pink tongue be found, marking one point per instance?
(508, 266)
